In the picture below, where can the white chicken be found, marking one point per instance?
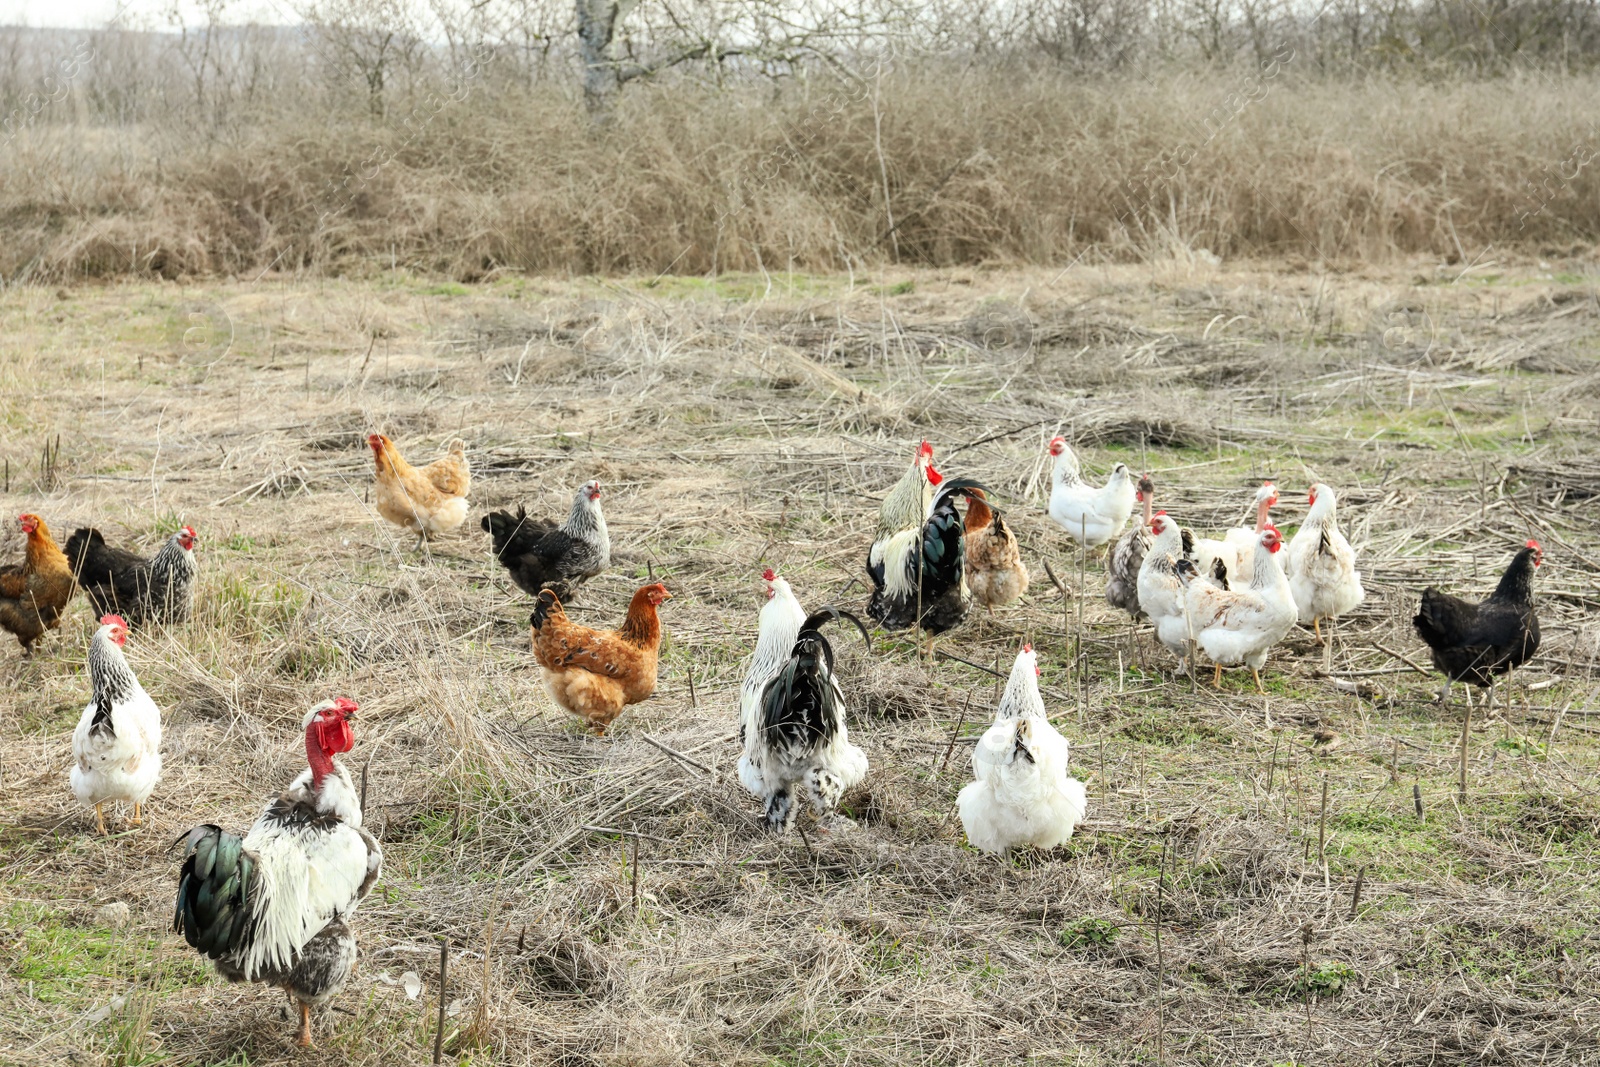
(792, 712)
(1022, 794)
(1236, 548)
(1091, 515)
(1240, 624)
(1322, 565)
(274, 907)
(1161, 594)
(116, 749)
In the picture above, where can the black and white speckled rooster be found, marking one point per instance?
(274, 907)
(792, 711)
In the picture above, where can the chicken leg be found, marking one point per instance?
(1316, 626)
(304, 1037)
(100, 817)
(1257, 676)
(138, 817)
(1216, 676)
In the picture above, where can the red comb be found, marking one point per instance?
(925, 449)
(1534, 545)
(768, 575)
(113, 620)
(1027, 648)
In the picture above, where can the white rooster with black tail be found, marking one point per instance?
(274, 906)
(792, 712)
(1022, 795)
(116, 749)
(917, 561)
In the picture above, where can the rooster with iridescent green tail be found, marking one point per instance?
(273, 907)
(917, 561)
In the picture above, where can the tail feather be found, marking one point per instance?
(84, 551)
(546, 608)
(213, 906)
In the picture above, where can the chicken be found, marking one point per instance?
(1022, 794)
(1236, 549)
(995, 574)
(1322, 565)
(1240, 624)
(428, 501)
(596, 673)
(275, 907)
(917, 562)
(1127, 555)
(541, 555)
(35, 592)
(1161, 594)
(1091, 515)
(1474, 642)
(158, 589)
(792, 712)
(116, 749)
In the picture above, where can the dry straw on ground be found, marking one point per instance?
(1203, 915)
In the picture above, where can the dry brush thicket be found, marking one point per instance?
(1202, 915)
(830, 138)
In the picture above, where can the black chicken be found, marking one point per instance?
(1474, 642)
(541, 555)
(158, 589)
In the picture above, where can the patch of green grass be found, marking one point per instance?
(1089, 934)
(1326, 980)
(445, 289)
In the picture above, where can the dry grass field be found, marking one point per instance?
(1205, 914)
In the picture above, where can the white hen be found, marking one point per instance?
(1091, 514)
(1161, 594)
(1241, 624)
(1322, 565)
(1022, 794)
(116, 749)
(792, 712)
(1237, 548)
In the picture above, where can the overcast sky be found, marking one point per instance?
(84, 14)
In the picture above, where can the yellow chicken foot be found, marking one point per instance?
(1257, 676)
(1316, 625)
(100, 817)
(1216, 675)
(138, 818)
(304, 1040)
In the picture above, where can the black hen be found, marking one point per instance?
(801, 729)
(937, 556)
(1474, 642)
(158, 589)
(541, 555)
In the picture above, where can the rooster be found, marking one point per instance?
(428, 500)
(275, 907)
(541, 555)
(792, 714)
(1022, 794)
(917, 561)
(1240, 624)
(1322, 565)
(995, 573)
(116, 749)
(35, 592)
(1236, 549)
(596, 673)
(158, 589)
(1091, 515)
(1474, 642)
(1161, 592)
(1127, 555)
